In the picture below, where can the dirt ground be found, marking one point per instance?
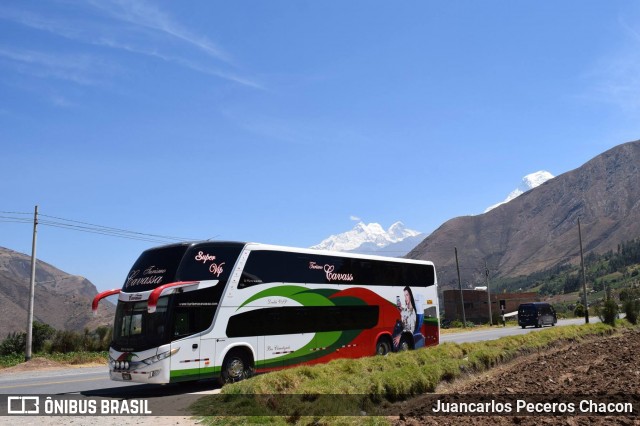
(597, 367)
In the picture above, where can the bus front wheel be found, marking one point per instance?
(237, 365)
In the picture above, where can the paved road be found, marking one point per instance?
(90, 381)
(67, 380)
(93, 384)
(498, 331)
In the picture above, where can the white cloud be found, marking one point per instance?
(147, 15)
(79, 69)
(355, 218)
(184, 62)
(138, 28)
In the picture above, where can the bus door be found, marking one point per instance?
(185, 363)
(193, 313)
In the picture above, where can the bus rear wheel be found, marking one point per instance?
(237, 365)
(404, 344)
(383, 346)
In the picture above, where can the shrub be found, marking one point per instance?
(631, 310)
(66, 341)
(14, 344)
(579, 310)
(609, 312)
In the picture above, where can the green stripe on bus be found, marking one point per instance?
(183, 375)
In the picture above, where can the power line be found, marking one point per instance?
(75, 225)
(119, 230)
(16, 219)
(63, 226)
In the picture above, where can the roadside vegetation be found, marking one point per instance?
(612, 277)
(350, 387)
(617, 270)
(64, 347)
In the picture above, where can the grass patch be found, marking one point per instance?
(354, 387)
(11, 360)
(70, 358)
(78, 358)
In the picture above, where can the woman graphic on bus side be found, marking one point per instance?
(407, 322)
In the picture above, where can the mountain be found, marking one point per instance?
(61, 300)
(528, 182)
(538, 229)
(372, 238)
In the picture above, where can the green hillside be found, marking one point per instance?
(615, 271)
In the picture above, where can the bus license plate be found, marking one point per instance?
(126, 376)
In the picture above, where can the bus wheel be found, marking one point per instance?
(236, 366)
(404, 344)
(383, 346)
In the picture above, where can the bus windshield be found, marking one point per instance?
(136, 329)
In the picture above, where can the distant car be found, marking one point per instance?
(536, 314)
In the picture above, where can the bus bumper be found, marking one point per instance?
(152, 366)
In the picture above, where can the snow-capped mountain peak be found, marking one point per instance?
(528, 182)
(399, 232)
(368, 238)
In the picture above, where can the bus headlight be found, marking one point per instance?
(160, 357)
(133, 365)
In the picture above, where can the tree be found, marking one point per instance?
(631, 308)
(41, 332)
(579, 310)
(609, 311)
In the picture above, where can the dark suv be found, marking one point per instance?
(536, 314)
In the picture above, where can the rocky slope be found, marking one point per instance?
(538, 229)
(61, 300)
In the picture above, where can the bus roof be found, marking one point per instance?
(261, 246)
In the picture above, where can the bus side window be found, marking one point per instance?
(194, 311)
(262, 267)
(181, 326)
(430, 312)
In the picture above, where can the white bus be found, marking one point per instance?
(226, 310)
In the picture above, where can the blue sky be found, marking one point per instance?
(278, 121)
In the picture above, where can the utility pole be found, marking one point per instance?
(464, 318)
(486, 275)
(32, 289)
(584, 277)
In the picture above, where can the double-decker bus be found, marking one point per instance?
(226, 310)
